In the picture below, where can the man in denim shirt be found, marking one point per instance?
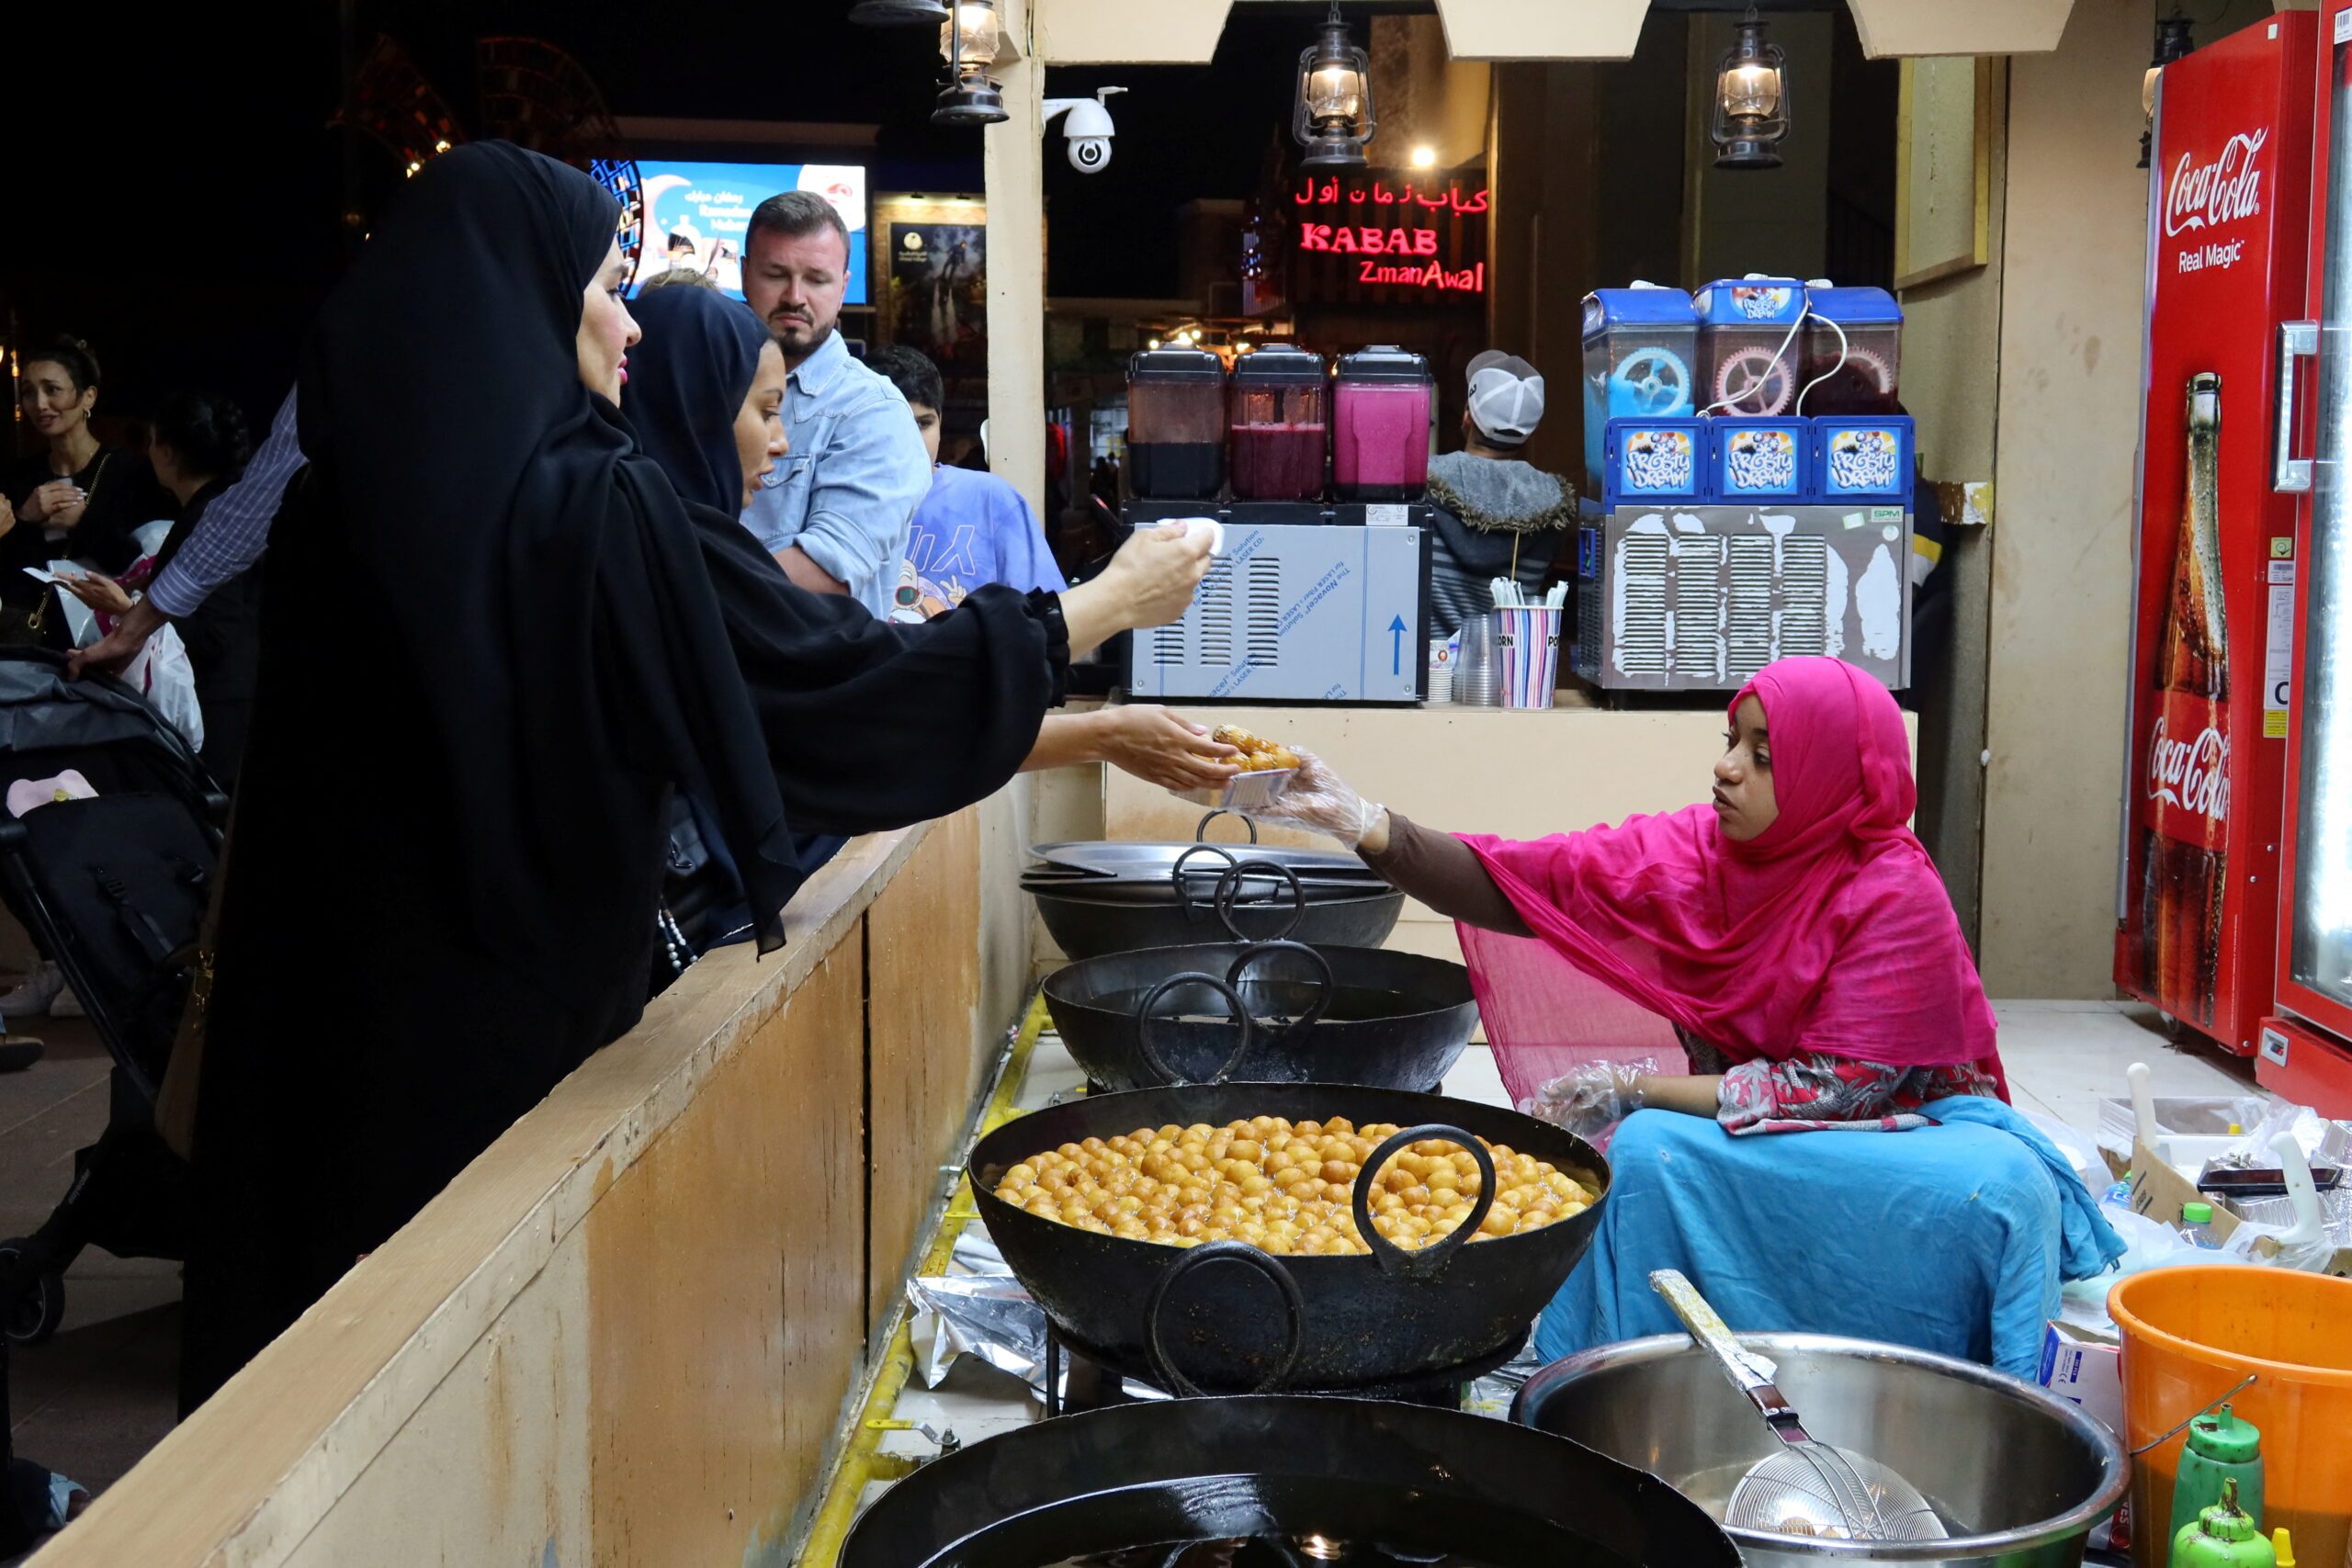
(836, 510)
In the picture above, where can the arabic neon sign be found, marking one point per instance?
(1411, 249)
(1379, 193)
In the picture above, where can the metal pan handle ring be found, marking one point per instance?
(1430, 1259)
(1325, 986)
(1229, 892)
(1148, 1024)
(1183, 890)
(1293, 1314)
(1223, 811)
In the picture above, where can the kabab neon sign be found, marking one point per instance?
(1421, 266)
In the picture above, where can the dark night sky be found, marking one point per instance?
(177, 190)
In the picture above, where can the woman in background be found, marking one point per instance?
(77, 499)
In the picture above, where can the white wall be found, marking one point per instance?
(2067, 434)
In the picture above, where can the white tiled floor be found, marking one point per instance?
(2064, 1058)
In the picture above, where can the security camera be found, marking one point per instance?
(1088, 128)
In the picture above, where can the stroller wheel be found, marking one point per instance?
(39, 1303)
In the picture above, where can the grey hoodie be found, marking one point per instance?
(1486, 508)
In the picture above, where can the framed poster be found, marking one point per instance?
(1943, 202)
(939, 296)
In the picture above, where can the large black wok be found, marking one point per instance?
(1207, 886)
(1276, 1012)
(1306, 1480)
(1370, 1319)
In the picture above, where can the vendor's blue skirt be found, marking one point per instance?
(1946, 1238)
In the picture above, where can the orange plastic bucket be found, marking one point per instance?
(2190, 1335)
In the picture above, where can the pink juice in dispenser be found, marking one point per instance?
(1380, 436)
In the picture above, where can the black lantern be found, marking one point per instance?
(1752, 100)
(2173, 43)
(898, 13)
(969, 41)
(1333, 119)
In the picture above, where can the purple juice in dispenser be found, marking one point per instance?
(1854, 366)
(1175, 424)
(1380, 426)
(1276, 433)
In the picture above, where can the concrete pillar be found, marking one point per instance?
(1013, 168)
(2068, 427)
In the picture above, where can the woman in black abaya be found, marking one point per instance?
(704, 388)
(452, 812)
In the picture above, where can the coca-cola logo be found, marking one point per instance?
(2206, 195)
(2191, 775)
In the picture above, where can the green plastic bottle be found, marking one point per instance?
(2224, 1536)
(2221, 1448)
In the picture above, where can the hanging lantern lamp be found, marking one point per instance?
(1333, 119)
(1752, 100)
(969, 40)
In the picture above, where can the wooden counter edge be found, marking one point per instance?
(247, 1477)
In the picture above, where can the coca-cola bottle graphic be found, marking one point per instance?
(2187, 805)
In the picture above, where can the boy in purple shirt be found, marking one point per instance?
(972, 528)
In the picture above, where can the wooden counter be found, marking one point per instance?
(624, 1334)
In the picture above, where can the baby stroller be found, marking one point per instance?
(113, 889)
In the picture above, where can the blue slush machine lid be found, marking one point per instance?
(1751, 301)
(1608, 308)
(1861, 307)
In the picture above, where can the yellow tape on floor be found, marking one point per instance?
(861, 1462)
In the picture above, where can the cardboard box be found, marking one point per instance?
(2158, 1191)
(2087, 1370)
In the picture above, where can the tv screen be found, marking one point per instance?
(696, 214)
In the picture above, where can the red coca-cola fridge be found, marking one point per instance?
(2304, 1051)
(2197, 903)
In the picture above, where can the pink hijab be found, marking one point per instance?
(1830, 932)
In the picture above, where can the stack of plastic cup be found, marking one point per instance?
(1477, 669)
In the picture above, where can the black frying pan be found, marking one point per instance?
(1308, 1481)
(1381, 1318)
(1264, 1012)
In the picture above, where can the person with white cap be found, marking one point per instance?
(1496, 514)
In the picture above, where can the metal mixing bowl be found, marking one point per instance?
(2019, 1475)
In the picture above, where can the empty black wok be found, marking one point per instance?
(1306, 1480)
(1207, 887)
(1371, 1319)
(1276, 1012)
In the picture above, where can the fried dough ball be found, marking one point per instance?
(1286, 1188)
(1258, 754)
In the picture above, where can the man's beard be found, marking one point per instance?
(815, 335)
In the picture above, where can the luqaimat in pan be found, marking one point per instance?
(1259, 755)
(1281, 1186)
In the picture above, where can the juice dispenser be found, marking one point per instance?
(1276, 427)
(1639, 346)
(1861, 370)
(1175, 424)
(1748, 357)
(1380, 427)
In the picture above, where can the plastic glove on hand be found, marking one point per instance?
(1591, 1100)
(1319, 800)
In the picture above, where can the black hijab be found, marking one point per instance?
(540, 576)
(686, 383)
(867, 725)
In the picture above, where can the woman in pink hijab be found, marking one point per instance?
(1791, 929)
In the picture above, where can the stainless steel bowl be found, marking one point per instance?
(2019, 1475)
